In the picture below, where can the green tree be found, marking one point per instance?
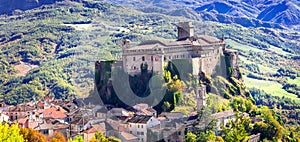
(270, 128)
(238, 130)
(99, 137)
(191, 137)
(10, 133)
(78, 139)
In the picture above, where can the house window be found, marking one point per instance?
(138, 133)
(142, 126)
(133, 58)
(142, 133)
(129, 125)
(143, 58)
(130, 132)
(151, 58)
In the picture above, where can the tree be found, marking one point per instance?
(77, 139)
(238, 130)
(57, 137)
(270, 128)
(99, 137)
(191, 137)
(10, 133)
(31, 135)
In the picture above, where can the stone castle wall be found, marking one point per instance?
(204, 59)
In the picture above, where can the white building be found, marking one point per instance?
(3, 118)
(139, 124)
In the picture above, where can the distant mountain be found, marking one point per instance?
(270, 11)
(231, 8)
(8, 6)
(286, 13)
(255, 13)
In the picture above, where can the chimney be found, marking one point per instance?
(185, 30)
(125, 43)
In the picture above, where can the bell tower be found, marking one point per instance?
(201, 96)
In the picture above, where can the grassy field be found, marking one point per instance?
(269, 87)
(241, 47)
(264, 69)
(294, 81)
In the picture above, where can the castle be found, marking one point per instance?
(202, 52)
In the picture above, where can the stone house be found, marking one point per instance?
(223, 118)
(138, 125)
(88, 134)
(169, 131)
(19, 111)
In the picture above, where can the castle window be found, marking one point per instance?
(133, 58)
(143, 58)
(151, 58)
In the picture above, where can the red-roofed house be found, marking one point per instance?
(88, 134)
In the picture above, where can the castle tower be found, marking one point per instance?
(185, 30)
(201, 96)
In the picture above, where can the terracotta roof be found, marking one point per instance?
(128, 136)
(151, 109)
(91, 130)
(22, 120)
(100, 127)
(40, 104)
(54, 113)
(60, 126)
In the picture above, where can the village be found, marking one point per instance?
(136, 124)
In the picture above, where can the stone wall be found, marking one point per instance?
(232, 55)
(204, 59)
(132, 63)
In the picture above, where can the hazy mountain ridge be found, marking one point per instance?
(255, 13)
(234, 11)
(286, 13)
(8, 6)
